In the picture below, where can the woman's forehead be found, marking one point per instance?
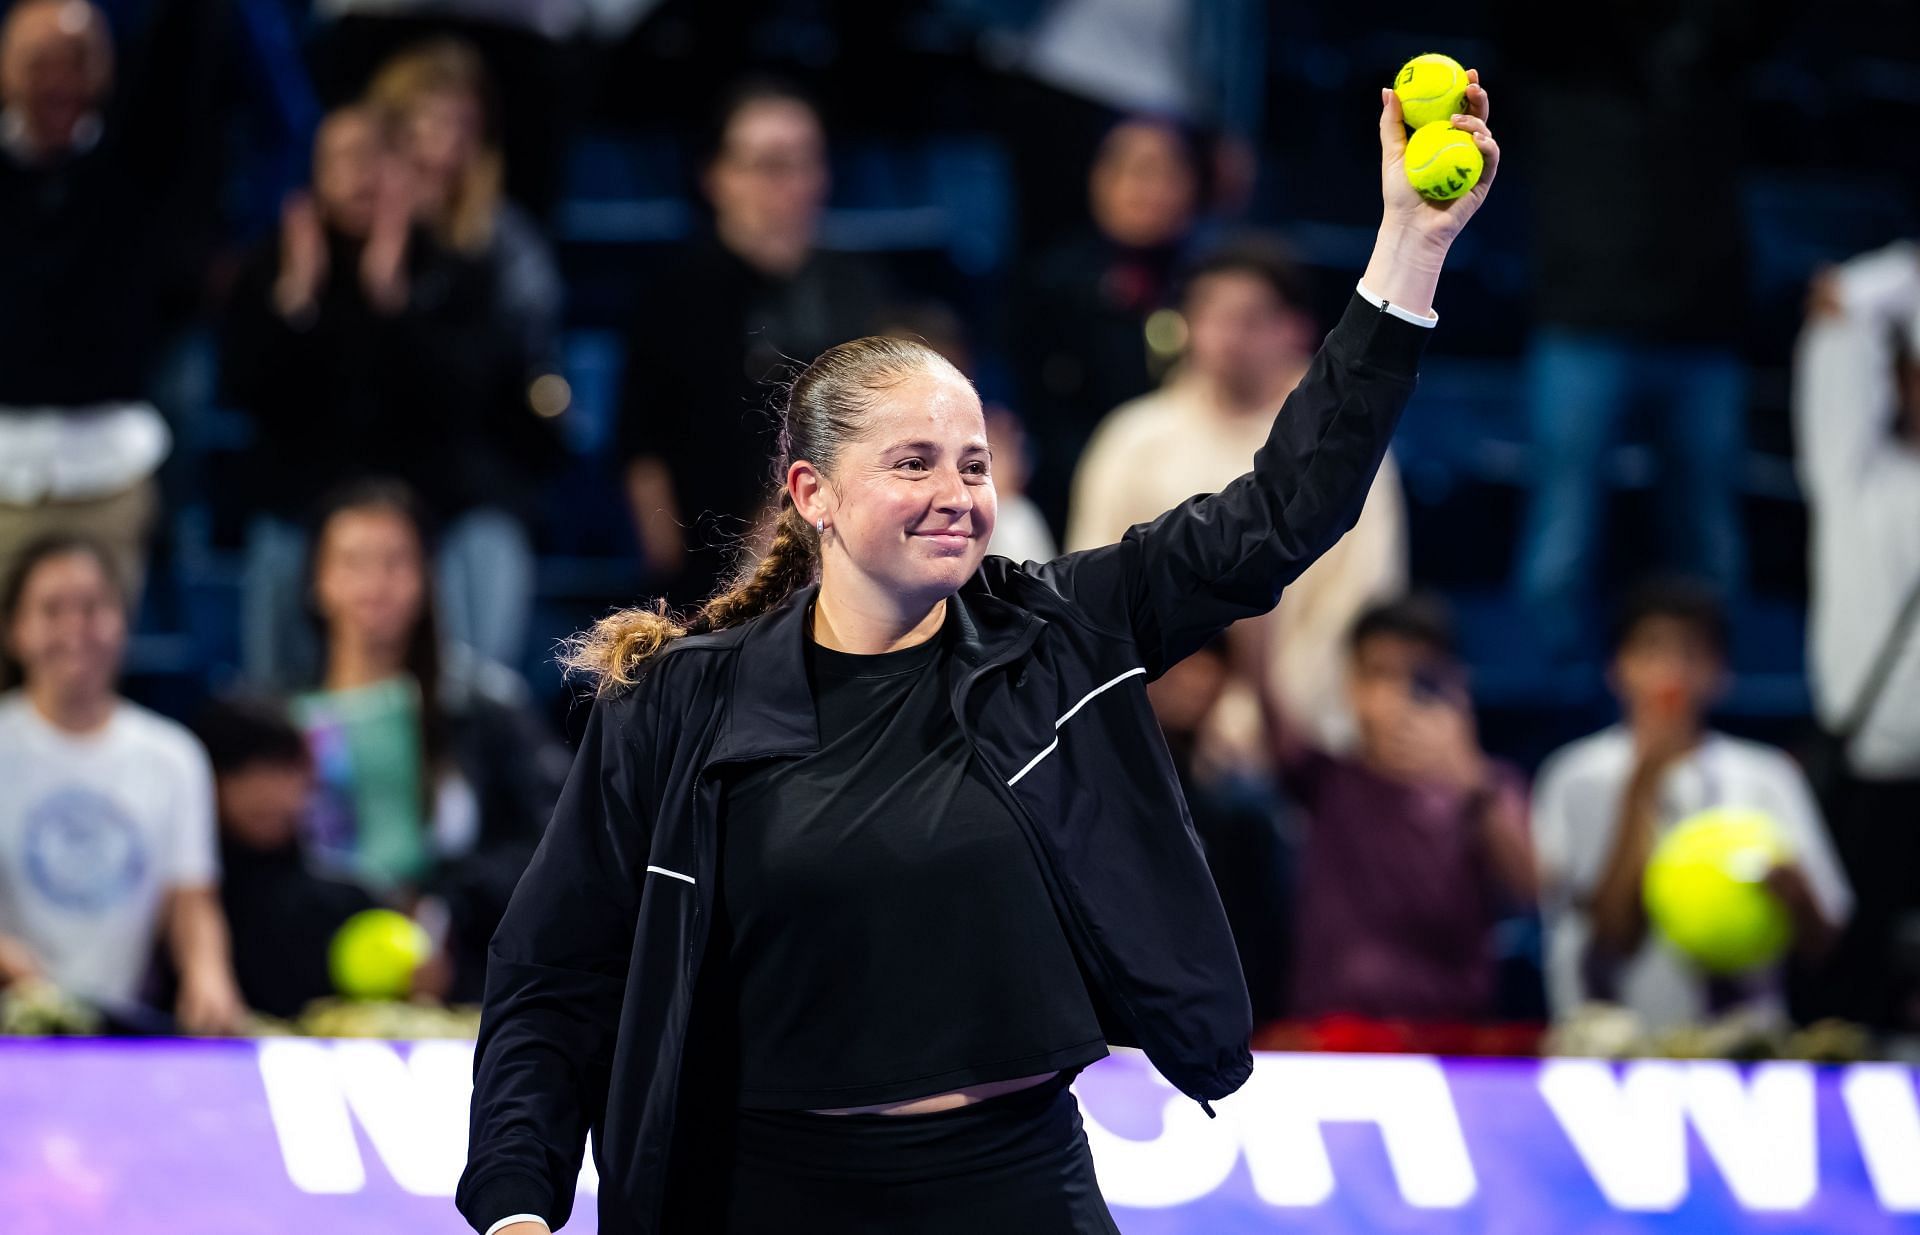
(925, 407)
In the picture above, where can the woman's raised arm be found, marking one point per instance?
(1177, 581)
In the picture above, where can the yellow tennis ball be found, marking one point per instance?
(1705, 889)
(374, 954)
(1442, 161)
(1431, 87)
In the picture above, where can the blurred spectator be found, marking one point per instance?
(1239, 820)
(532, 49)
(434, 101)
(1416, 844)
(1857, 411)
(92, 188)
(745, 300)
(1603, 802)
(1078, 326)
(106, 809)
(1019, 531)
(434, 777)
(360, 346)
(1640, 265)
(282, 915)
(1077, 66)
(1250, 338)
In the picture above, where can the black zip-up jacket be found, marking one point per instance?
(593, 969)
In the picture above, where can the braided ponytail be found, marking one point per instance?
(826, 408)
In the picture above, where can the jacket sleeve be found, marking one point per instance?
(556, 975)
(1179, 580)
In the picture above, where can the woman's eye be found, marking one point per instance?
(915, 464)
(977, 468)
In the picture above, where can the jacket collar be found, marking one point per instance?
(770, 709)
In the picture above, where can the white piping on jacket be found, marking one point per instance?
(661, 870)
(1068, 715)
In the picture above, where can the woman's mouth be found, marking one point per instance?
(947, 538)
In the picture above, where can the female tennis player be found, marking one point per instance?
(862, 863)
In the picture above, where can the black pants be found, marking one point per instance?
(1015, 1163)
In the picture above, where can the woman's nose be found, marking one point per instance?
(954, 493)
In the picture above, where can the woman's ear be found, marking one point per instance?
(808, 489)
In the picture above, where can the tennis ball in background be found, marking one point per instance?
(1705, 889)
(374, 954)
(1442, 161)
(1431, 87)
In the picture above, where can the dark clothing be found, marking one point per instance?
(1637, 225)
(591, 976)
(515, 766)
(1018, 1162)
(91, 242)
(282, 918)
(1079, 349)
(1397, 899)
(1240, 824)
(893, 821)
(1872, 975)
(434, 394)
(704, 363)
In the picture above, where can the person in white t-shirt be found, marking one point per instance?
(1601, 804)
(106, 809)
(1250, 338)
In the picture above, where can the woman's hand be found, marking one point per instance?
(1406, 211)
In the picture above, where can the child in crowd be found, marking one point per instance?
(1603, 802)
(282, 915)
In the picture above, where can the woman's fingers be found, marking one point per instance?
(1477, 101)
(1483, 139)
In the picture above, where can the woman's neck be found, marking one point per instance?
(73, 713)
(843, 623)
(356, 662)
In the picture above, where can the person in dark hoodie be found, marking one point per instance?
(282, 914)
(99, 218)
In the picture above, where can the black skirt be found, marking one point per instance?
(1018, 1162)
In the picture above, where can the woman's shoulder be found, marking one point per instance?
(137, 728)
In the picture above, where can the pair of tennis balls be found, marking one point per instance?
(1442, 162)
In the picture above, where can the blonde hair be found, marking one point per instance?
(445, 66)
(827, 407)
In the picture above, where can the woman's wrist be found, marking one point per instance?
(1405, 267)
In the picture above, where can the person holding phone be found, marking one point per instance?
(1416, 842)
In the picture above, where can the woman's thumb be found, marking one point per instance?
(1393, 131)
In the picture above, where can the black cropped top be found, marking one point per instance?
(882, 930)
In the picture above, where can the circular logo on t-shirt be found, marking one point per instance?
(83, 853)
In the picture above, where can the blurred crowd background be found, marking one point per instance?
(352, 352)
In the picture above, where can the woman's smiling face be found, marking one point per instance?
(911, 501)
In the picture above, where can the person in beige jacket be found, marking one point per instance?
(1249, 339)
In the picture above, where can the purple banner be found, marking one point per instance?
(237, 1138)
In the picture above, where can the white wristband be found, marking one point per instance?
(1405, 315)
(510, 1219)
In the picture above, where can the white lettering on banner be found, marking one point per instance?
(1290, 1096)
(1191, 1157)
(414, 1111)
(1276, 1118)
(1886, 1122)
(1629, 1128)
